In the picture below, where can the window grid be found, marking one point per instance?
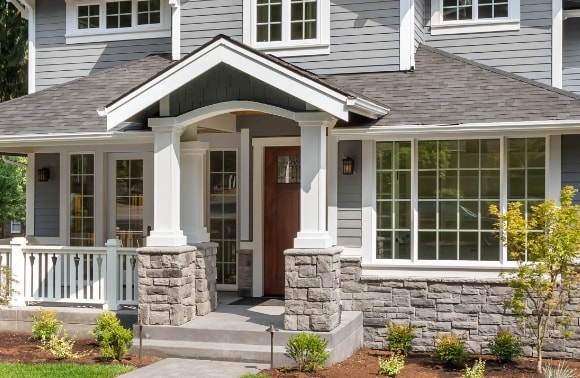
(303, 24)
(463, 10)
(129, 202)
(148, 12)
(82, 223)
(492, 9)
(223, 212)
(269, 20)
(88, 16)
(454, 10)
(119, 14)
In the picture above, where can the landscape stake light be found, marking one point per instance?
(272, 331)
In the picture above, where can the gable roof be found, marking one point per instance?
(445, 89)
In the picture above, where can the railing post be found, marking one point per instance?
(17, 266)
(112, 276)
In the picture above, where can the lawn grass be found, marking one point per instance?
(63, 370)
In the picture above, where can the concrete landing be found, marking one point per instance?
(238, 333)
(178, 368)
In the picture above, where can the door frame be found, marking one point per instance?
(257, 245)
(112, 188)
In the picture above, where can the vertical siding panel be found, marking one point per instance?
(571, 55)
(46, 197)
(349, 204)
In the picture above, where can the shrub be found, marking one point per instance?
(6, 282)
(105, 321)
(400, 338)
(308, 350)
(253, 375)
(477, 371)
(506, 346)
(115, 342)
(45, 325)
(450, 349)
(61, 347)
(559, 371)
(392, 365)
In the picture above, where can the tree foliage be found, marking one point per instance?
(13, 52)
(13, 190)
(544, 246)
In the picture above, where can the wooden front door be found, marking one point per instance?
(281, 212)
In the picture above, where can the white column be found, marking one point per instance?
(112, 275)
(17, 267)
(193, 161)
(313, 230)
(166, 192)
(557, 43)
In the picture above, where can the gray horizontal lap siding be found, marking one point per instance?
(57, 62)
(47, 197)
(526, 52)
(349, 196)
(419, 22)
(570, 156)
(364, 35)
(571, 55)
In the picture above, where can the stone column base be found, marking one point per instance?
(166, 285)
(312, 289)
(205, 277)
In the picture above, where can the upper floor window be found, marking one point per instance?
(288, 27)
(474, 16)
(102, 20)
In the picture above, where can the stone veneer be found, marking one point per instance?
(312, 289)
(468, 307)
(205, 277)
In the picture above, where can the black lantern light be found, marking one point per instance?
(347, 166)
(43, 174)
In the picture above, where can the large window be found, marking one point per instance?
(102, 20)
(82, 200)
(456, 182)
(223, 212)
(472, 16)
(129, 204)
(290, 27)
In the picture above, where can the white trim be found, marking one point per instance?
(102, 34)
(60, 139)
(571, 13)
(406, 34)
(100, 196)
(332, 187)
(244, 164)
(224, 51)
(557, 41)
(287, 47)
(369, 232)
(32, 50)
(440, 27)
(553, 167)
(175, 29)
(258, 206)
(30, 190)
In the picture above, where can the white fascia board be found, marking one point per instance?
(223, 51)
(497, 128)
(114, 137)
(366, 108)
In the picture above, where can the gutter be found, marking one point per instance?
(366, 108)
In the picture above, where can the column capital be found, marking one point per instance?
(315, 119)
(166, 124)
(193, 147)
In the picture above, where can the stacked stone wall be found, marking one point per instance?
(472, 308)
(206, 278)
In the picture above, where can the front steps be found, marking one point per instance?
(241, 336)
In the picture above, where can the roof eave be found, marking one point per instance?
(366, 108)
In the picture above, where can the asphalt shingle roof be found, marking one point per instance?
(445, 89)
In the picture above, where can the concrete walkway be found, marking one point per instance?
(178, 368)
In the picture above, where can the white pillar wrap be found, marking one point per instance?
(313, 230)
(166, 193)
(193, 158)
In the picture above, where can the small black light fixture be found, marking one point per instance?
(272, 331)
(43, 174)
(347, 166)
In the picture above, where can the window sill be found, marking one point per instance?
(446, 28)
(117, 35)
(293, 50)
(437, 269)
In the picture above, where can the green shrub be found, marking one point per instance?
(105, 321)
(45, 325)
(477, 371)
(61, 347)
(308, 350)
(6, 283)
(252, 375)
(400, 338)
(392, 365)
(115, 342)
(506, 346)
(559, 371)
(450, 349)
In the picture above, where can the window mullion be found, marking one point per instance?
(414, 201)
(475, 14)
(286, 21)
(503, 188)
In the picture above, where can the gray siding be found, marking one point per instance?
(349, 209)
(571, 55)
(364, 35)
(47, 197)
(571, 162)
(526, 52)
(57, 62)
(419, 22)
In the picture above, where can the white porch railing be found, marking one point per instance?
(92, 275)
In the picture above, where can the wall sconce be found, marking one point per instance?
(43, 174)
(347, 166)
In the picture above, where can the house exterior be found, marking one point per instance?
(366, 139)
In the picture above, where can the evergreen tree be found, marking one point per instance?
(13, 52)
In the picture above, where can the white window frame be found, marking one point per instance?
(475, 25)
(288, 47)
(447, 268)
(102, 34)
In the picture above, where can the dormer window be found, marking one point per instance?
(102, 20)
(474, 16)
(288, 27)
